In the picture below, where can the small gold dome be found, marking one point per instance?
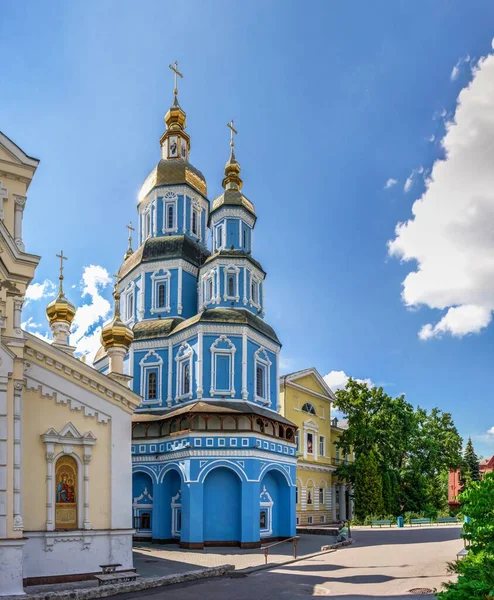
(176, 117)
(116, 334)
(60, 309)
(232, 178)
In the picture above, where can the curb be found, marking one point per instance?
(324, 550)
(124, 588)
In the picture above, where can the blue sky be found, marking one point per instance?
(331, 101)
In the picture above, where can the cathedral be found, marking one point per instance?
(213, 460)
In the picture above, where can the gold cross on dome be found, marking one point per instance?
(174, 68)
(233, 132)
(131, 229)
(62, 258)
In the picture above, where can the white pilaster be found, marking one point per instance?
(20, 202)
(199, 365)
(245, 392)
(3, 457)
(179, 300)
(18, 388)
(87, 460)
(142, 303)
(50, 456)
(17, 316)
(170, 373)
(333, 502)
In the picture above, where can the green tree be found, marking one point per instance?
(470, 468)
(387, 493)
(476, 570)
(368, 486)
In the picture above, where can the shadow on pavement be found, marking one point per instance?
(373, 537)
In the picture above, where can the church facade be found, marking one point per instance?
(213, 459)
(64, 427)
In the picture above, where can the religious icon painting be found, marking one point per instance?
(183, 148)
(66, 493)
(173, 146)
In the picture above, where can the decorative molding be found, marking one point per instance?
(229, 351)
(227, 212)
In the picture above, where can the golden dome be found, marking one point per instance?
(232, 180)
(176, 117)
(60, 309)
(116, 334)
(173, 172)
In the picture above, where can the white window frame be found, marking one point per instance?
(148, 222)
(197, 209)
(147, 366)
(322, 445)
(310, 520)
(170, 199)
(307, 442)
(321, 502)
(185, 355)
(261, 358)
(266, 503)
(160, 276)
(209, 278)
(128, 295)
(220, 227)
(215, 352)
(176, 506)
(255, 283)
(233, 271)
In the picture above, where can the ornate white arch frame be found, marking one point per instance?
(150, 362)
(261, 358)
(185, 355)
(216, 351)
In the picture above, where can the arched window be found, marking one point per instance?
(152, 385)
(66, 493)
(260, 386)
(231, 285)
(170, 215)
(186, 386)
(309, 408)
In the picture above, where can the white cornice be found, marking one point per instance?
(152, 266)
(292, 377)
(19, 154)
(180, 190)
(57, 360)
(213, 329)
(235, 213)
(215, 453)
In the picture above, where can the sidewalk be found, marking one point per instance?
(152, 560)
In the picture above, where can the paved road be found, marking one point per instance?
(381, 564)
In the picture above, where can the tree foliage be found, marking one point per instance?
(476, 570)
(470, 469)
(368, 486)
(413, 448)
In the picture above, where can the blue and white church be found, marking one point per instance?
(213, 460)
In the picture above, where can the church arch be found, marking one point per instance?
(142, 503)
(222, 506)
(275, 516)
(228, 464)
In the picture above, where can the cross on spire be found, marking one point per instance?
(131, 229)
(233, 132)
(62, 257)
(174, 68)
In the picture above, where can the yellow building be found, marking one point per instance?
(65, 428)
(306, 400)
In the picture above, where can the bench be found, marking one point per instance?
(381, 523)
(420, 522)
(109, 575)
(446, 520)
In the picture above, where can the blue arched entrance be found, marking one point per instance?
(222, 506)
(142, 504)
(275, 515)
(168, 508)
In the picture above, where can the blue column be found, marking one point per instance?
(292, 511)
(250, 537)
(192, 515)
(157, 523)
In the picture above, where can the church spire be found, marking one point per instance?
(175, 143)
(61, 313)
(232, 180)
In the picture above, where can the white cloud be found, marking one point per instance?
(390, 183)
(457, 68)
(30, 324)
(490, 431)
(412, 177)
(432, 138)
(450, 232)
(86, 327)
(37, 291)
(337, 380)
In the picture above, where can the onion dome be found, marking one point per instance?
(174, 167)
(60, 309)
(232, 183)
(116, 334)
